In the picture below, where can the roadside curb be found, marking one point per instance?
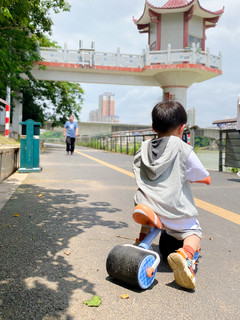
(9, 186)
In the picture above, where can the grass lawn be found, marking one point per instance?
(7, 141)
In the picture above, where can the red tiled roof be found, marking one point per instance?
(175, 4)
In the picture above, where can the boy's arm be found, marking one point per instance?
(207, 180)
(64, 131)
(195, 171)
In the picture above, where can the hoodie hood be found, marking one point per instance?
(158, 154)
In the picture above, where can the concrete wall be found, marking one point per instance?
(96, 128)
(2, 116)
(9, 161)
(17, 117)
(172, 31)
(208, 132)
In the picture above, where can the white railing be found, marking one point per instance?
(90, 57)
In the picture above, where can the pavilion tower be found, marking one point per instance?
(179, 25)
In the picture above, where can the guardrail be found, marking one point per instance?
(127, 142)
(90, 57)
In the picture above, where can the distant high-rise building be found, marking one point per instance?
(106, 105)
(106, 109)
(191, 113)
(93, 115)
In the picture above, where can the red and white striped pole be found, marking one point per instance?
(7, 109)
(7, 117)
(7, 120)
(189, 138)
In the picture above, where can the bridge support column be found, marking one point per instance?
(178, 93)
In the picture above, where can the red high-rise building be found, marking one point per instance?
(106, 109)
(106, 105)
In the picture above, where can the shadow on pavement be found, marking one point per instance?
(234, 180)
(37, 282)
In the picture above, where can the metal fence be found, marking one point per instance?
(123, 142)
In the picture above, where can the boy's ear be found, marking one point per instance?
(181, 129)
(183, 126)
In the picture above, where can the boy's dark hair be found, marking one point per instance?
(167, 116)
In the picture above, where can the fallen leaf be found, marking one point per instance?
(124, 296)
(40, 195)
(16, 214)
(95, 302)
(67, 252)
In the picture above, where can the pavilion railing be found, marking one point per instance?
(91, 58)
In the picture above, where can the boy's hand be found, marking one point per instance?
(207, 180)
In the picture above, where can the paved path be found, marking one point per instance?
(60, 224)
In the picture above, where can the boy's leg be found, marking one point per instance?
(191, 245)
(145, 216)
(143, 232)
(168, 244)
(181, 262)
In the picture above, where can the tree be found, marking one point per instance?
(22, 23)
(54, 101)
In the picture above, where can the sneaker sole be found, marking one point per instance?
(182, 274)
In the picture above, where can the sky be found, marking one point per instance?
(109, 23)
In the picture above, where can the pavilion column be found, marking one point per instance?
(159, 33)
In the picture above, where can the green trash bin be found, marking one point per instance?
(30, 147)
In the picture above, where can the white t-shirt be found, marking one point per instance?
(195, 171)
